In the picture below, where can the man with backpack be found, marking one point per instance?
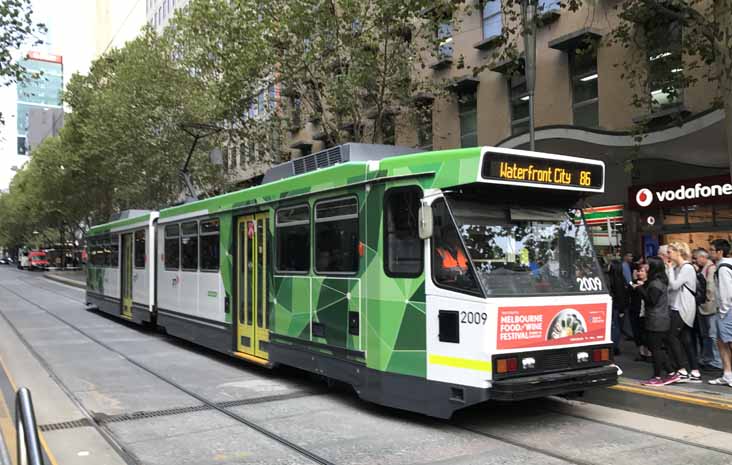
(707, 310)
(720, 251)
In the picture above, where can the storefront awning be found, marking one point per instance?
(603, 215)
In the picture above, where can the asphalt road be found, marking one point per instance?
(158, 400)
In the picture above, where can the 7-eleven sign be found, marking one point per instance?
(603, 215)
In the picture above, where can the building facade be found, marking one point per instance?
(159, 12)
(40, 91)
(583, 107)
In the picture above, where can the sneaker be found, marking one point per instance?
(672, 378)
(694, 379)
(683, 377)
(654, 382)
(721, 381)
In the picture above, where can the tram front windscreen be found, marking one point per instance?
(524, 250)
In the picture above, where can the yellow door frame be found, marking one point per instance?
(252, 290)
(126, 274)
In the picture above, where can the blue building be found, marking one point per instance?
(41, 90)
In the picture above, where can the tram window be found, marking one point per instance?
(189, 246)
(140, 248)
(91, 251)
(114, 252)
(172, 247)
(403, 247)
(451, 267)
(293, 239)
(336, 236)
(107, 257)
(209, 247)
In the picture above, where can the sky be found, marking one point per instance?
(71, 34)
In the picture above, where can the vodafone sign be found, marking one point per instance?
(715, 189)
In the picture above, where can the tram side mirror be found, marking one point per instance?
(425, 221)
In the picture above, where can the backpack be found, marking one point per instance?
(700, 296)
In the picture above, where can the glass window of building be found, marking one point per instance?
(583, 72)
(519, 96)
(547, 6)
(468, 112)
(389, 128)
(665, 66)
(424, 126)
(444, 38)
(492, 19)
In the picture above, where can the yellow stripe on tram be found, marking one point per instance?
(44, 444)
(456, 362)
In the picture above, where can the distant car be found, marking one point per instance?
(37, 260)
(4, 261)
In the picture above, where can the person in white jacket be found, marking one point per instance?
(722, 255)
(681, 291)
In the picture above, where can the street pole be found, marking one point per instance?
(528, 15)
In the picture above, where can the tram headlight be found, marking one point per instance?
(583, 357)
(528, 363)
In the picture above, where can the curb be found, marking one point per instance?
(67, 281)
(697, 409)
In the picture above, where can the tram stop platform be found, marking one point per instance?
(700, 404)
(696, 404)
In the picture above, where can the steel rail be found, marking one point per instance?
(213, 405)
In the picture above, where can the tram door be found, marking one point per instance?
(126, 269)
(252, 263)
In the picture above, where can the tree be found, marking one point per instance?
(125, 127)
(16, 28)
(348, 67)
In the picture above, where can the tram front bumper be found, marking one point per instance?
(529, 387)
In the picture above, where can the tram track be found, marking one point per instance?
(127, 456)
(316, 458)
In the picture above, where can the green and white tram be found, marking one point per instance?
(428, 281)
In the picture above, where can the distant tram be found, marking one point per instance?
(429, 281)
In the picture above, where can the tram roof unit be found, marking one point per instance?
(136, 217)
(438, 169)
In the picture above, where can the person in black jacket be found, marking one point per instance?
(621, 300)
(654, 292)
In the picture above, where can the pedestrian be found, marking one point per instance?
(707, 313)
(620, 297)
(636, 311)
(720, 251)
(663, 253)
(682, 302)
(653, 287)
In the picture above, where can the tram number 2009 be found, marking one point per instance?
(589, 284)
(473, 318)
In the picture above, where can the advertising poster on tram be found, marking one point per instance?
(541, 326)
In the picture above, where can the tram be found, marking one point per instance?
(428, 281)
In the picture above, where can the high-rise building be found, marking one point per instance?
(159, 12)
(117, 21)
(41, 89)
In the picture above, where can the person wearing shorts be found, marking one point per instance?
(720, 252)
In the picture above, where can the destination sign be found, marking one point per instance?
(542, 171)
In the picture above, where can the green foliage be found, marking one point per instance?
(121, 147)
